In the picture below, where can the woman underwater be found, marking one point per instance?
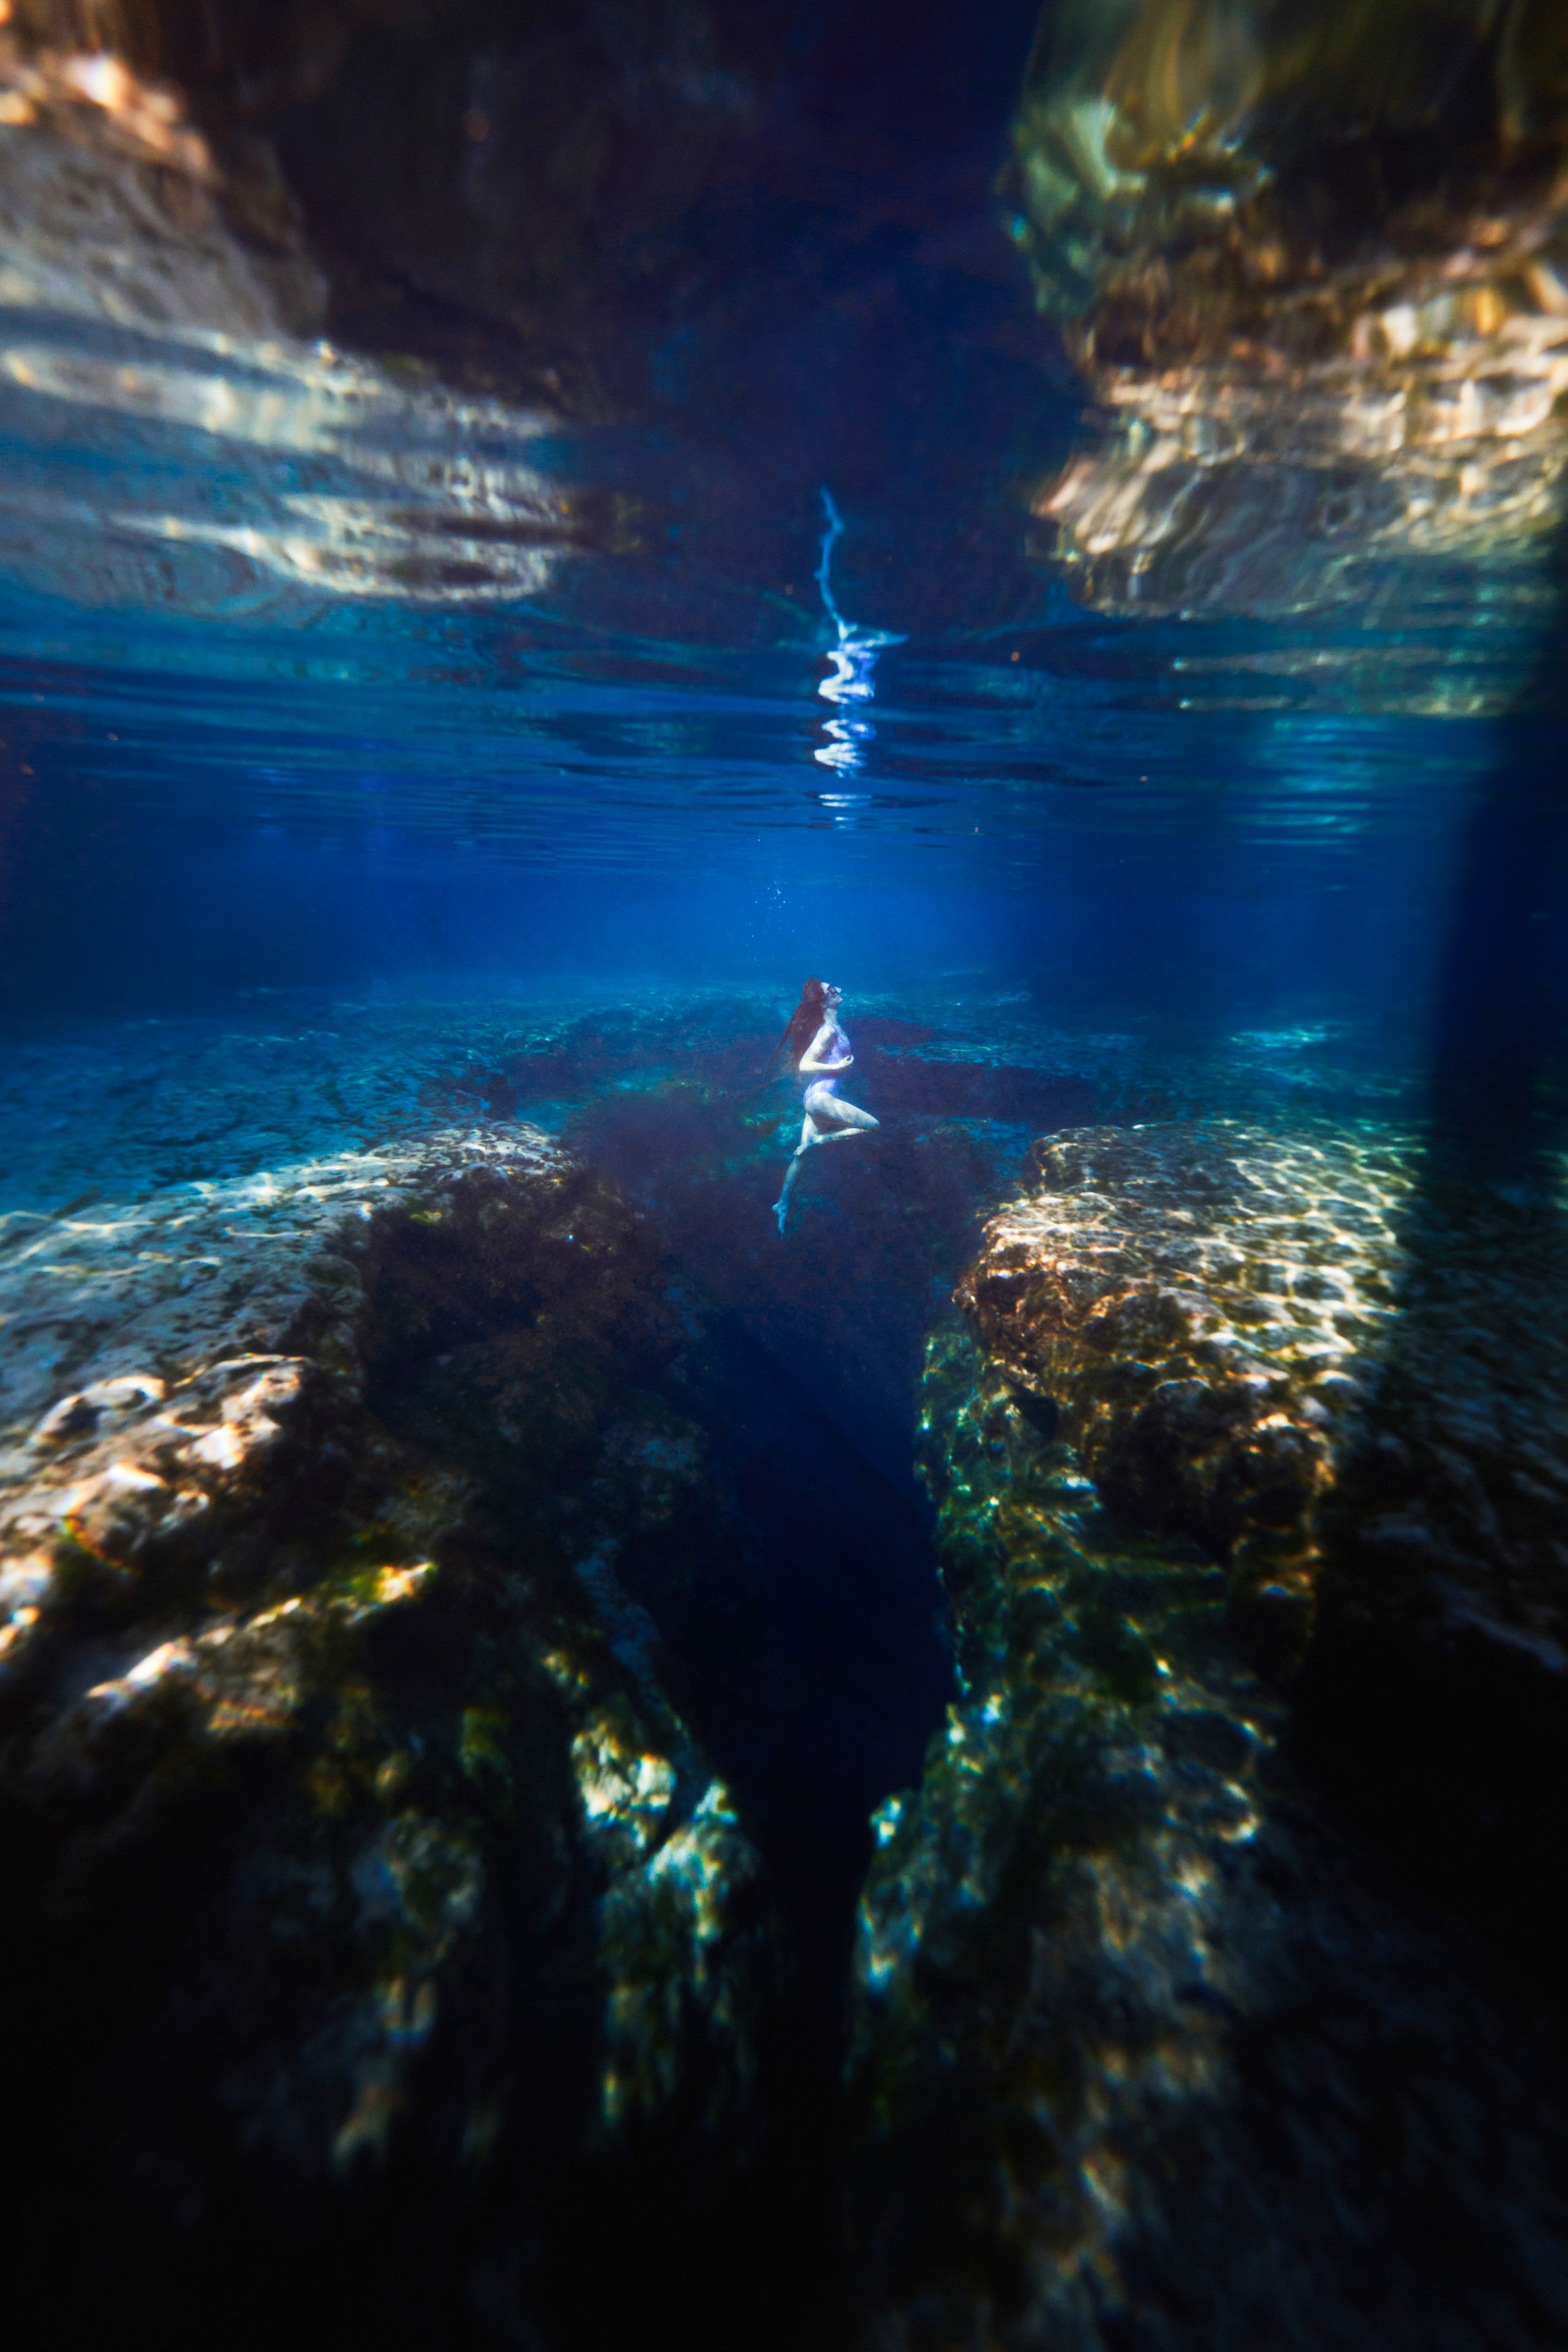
(821, 1052)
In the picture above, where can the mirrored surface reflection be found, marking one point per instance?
(179, 443)
(1314, 267)
(851, 680)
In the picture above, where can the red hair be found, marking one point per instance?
(804, 1022)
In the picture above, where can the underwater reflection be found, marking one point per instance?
(1314, 267)
(851, 678)
(180, 440)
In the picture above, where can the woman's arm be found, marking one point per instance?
(815, 1058)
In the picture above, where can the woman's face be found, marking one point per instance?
(833, 997)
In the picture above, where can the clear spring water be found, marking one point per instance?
(300, 811)
(373, 752)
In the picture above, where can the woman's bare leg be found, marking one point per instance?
(853, 1122)
(809, 1134)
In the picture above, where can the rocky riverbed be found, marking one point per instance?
(387, 1591)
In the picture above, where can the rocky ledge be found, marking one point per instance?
(366, 1897)
(1203, 1309)
(371, 1902)
(1153, 2047)
(1339, 1369)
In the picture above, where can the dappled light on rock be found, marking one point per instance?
(413, 1889)
(1205, 1307)
(1128, 1997)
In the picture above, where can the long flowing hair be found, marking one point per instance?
(804, 1024)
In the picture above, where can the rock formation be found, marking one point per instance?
(1149, 2047)
(1203, 1307)
(364, 1891)
(371, 1899)
(1434, 1696)
(1148, 2051)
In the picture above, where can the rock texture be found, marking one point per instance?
(1204, 1307)
(364, 1892)
(1339, 1370)
(1148, 2053)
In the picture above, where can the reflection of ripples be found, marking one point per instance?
(851, 680)
(171, 447)
(208, 467)
(1233, 488)
(1317, 274)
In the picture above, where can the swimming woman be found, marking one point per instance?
(821, 1052)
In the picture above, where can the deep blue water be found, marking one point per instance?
(508, 797)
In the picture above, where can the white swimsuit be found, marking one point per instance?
(820, 1094)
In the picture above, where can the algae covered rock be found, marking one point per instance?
(1151, 2047)
(1204, 1307)
(364, 1893)
(1339, 1369)
(1145, 2050)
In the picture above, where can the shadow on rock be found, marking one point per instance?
(367, 1895)
(1436, 1702)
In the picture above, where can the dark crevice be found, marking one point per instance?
(789, 1576)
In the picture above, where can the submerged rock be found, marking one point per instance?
(1435, 1698)
(364, 1893)
(1146, 2050)
(1204, 1307)
(1339, 1370)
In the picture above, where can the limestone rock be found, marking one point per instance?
(1436, 1694)
(363, 1888)
(1145, 2050)
(1204, 1307)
